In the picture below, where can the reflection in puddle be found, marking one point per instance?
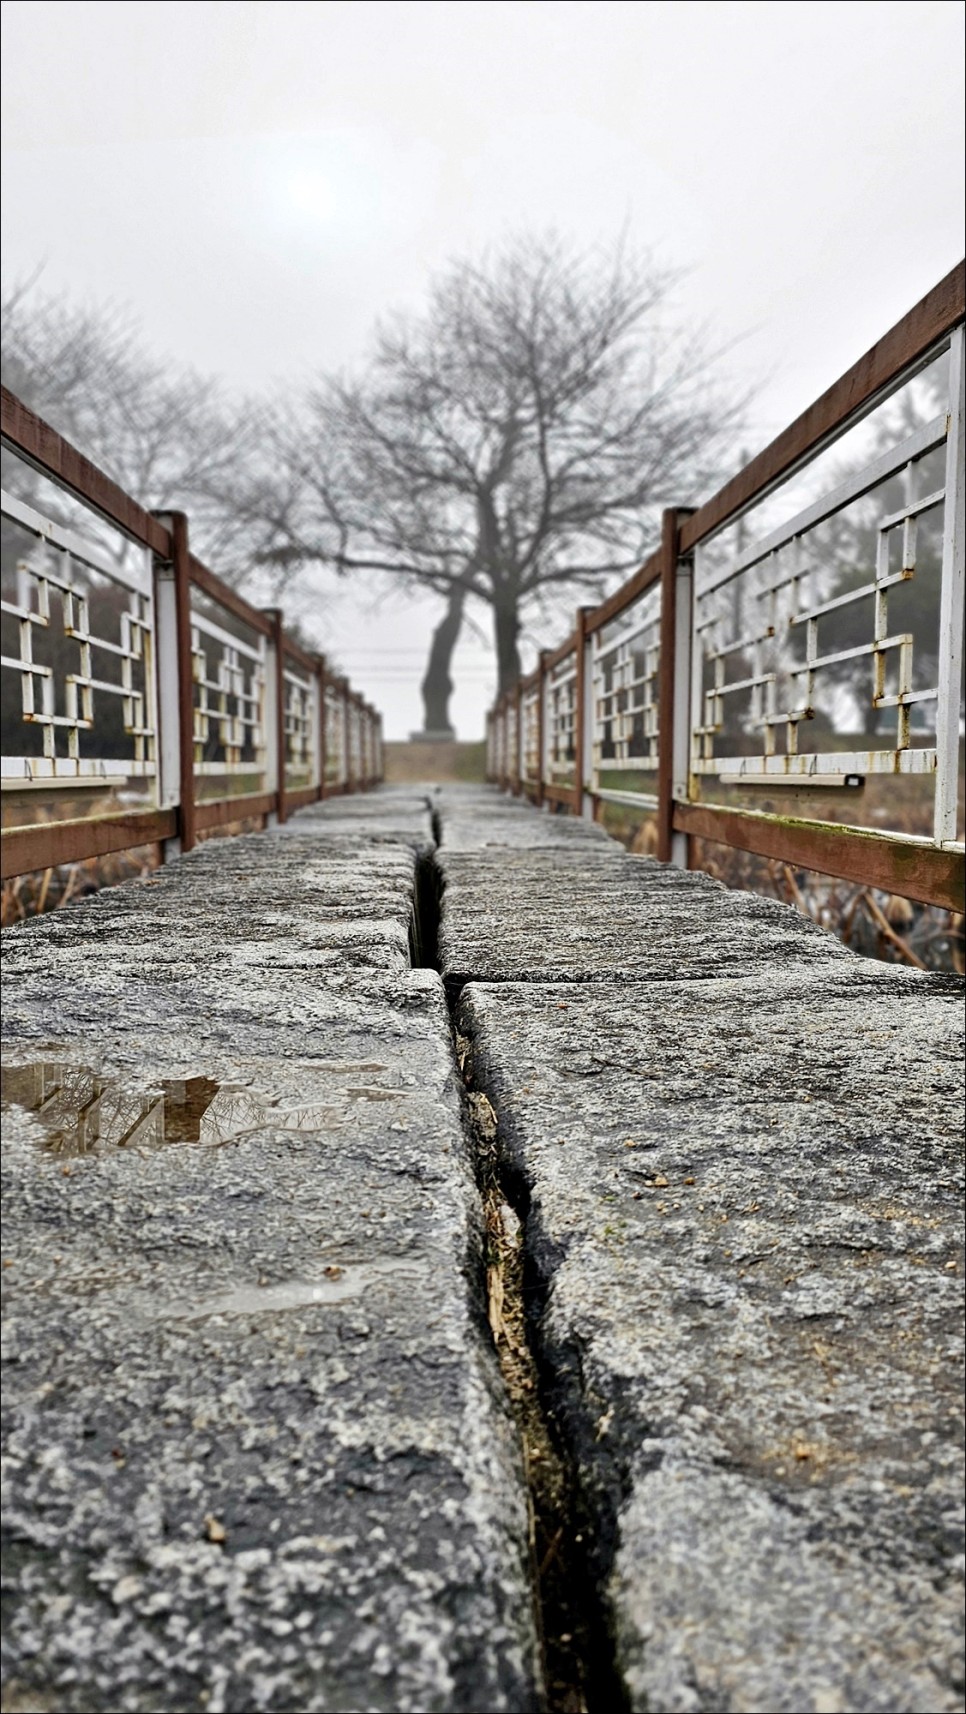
(337, 1284)
(83, 1113)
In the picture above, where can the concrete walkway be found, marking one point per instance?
(260, 1453)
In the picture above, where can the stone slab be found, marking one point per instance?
(478, 818)
(743, 1224)
(554, 915)
(263, 944)
(389, 814)
(257, 1451)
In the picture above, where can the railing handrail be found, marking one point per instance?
(43, 447)
(174, 821)
(907, 347)
(927, 869)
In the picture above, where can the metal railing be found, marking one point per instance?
(712, 668)
(144, 676)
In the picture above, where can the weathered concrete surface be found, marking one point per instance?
(399, 815)
(253, 942)
(474, 818)
(743, 1233)
(543, 916)
(257, 1452)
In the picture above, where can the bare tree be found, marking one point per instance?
(165, 433)
(513, 442)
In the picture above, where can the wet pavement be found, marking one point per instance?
(258, 1449)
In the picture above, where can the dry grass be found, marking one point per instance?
(879, 925)
(49, 889)
(409, 764)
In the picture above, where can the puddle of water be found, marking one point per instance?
(83, 1113)
(338, 1282)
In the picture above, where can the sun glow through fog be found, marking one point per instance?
(311, 194)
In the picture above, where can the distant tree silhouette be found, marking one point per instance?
(513, 442)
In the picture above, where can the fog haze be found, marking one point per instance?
(260, 181)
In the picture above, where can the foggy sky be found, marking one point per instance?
(260, 179)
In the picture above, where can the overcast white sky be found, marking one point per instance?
(259, 179)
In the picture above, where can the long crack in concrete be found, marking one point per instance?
(681, 1166)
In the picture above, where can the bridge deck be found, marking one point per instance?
(260, 1451)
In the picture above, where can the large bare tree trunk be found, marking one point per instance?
(506, 627)
(437, 686)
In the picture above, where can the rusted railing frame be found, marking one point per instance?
(583, 802)
(907, 346)
(321, 734)
(674, 686)
(181, 568)
(541, 726)
(346, 694)
(518, 758)
(282, 649)
(46, 451)
(175, 824)
(913, 868)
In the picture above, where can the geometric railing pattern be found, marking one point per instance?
(128, 666)
(780, 640)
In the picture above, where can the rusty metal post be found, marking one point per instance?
(281, 745)
(186, 680)
(674, 688)
(361, 731)
(179, 672)
(368, 748)
(168, 676)
(322, 735)
(582, 708)
(541, 725)
(665, 693)
(350, 781)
